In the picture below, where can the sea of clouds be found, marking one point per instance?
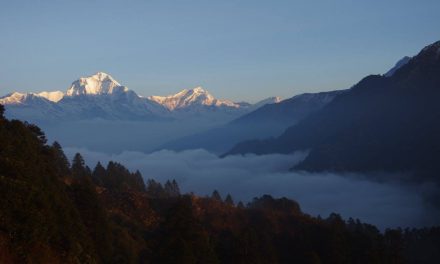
(384, 204)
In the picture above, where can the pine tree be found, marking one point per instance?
(99, 173)
(79, 169)
(117, 177)
(140, 184)
(2, 112)
(171, 188)
(176, 187)
(61, 161)
(37, 132)
(155, 189)
(216, 196)
(229, 200)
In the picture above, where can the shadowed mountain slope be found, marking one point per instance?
(267, 121)
(380, 124)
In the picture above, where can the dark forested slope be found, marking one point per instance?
(54, 212)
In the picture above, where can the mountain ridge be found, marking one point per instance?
(380, 124)
(269, 120)
(189, 97)
(101, 96)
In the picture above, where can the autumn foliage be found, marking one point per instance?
(56, 211)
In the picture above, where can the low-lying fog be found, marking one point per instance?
(144, 136)
(382, 204)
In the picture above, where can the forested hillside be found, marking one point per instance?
(52, 211)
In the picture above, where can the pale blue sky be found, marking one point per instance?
(241, 50)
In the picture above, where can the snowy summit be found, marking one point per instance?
(97, 84)
(101, 96)
(187, 98)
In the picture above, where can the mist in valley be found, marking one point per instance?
(117, 136)
(384, 204)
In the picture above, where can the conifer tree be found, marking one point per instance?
(171, 188)
(79, 169)
(155, 189)
(60, 159)
(139, 180)
(216, 196)
(2, 111)
(99, 174)
(176, 187)
(229, 200)
(37, 132)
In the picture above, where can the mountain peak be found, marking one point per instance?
(13, 98)
(432, 51)
(186, 92)
(199, 89)
(402, 62)
(102, 76)
(54, 96)
(96, 84)
(435, 45)
(17, 98)
(269, 100)
(191, 97)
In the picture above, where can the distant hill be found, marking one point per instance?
(267, 121)
(380, 124)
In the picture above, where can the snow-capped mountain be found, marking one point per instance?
(101, 96)
(98, 84)
(54, 96)
(95, 96)
(30, 107)
(269, 120)
(191, 98)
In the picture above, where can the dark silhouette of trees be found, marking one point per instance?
(2, 112)
(216, 196)
(51, 212)
(79, 168)
(99, 173)
(229, 200)
(155, 189)
(117, 177)
(60, 159)
(171, 188)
